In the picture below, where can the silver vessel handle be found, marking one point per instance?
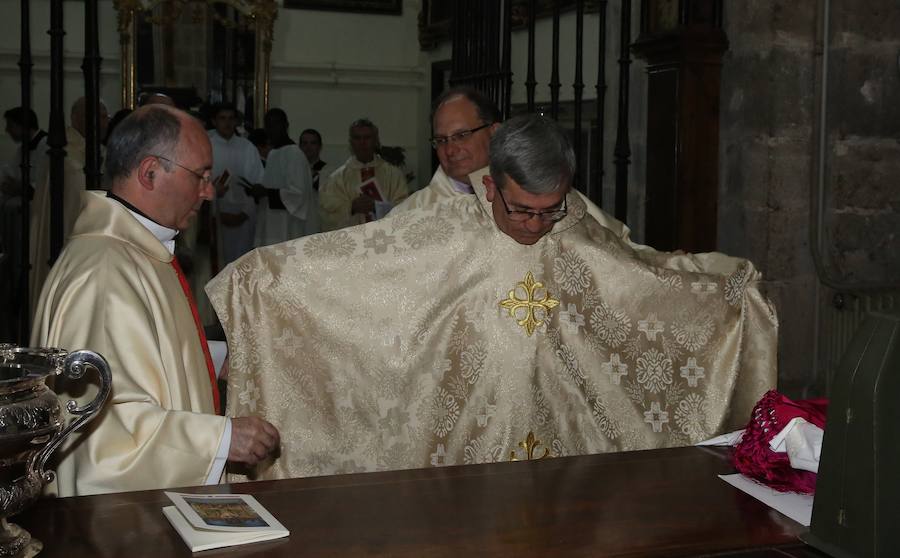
(74, 367)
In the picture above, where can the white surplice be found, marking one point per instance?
(287, 171)
(241, 159)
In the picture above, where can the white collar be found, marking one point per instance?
(165, 235)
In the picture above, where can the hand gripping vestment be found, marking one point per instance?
(432, 338)
(114, 291)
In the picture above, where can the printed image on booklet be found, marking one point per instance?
(207, 521)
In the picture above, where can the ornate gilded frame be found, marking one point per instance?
(260, 13)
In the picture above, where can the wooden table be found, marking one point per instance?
(649, 503)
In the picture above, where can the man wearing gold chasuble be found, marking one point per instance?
(456, 332)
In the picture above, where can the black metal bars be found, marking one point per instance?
(478, 62)
(56, 131)
(25, 65)
(578, 89)
(622, 150)
(530, 83)
(91, 67)
(596, 185)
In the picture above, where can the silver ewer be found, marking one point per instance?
(31, 428)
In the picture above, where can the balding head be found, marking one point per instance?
(159, 159)
(155, 99)
(462, 125)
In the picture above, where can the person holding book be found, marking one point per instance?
(365, 187)
(234, 159)
(117, 290)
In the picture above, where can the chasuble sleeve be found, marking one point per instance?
(158, 428)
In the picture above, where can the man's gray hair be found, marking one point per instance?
(533, 151)
(149, 131)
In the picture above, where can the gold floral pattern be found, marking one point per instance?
(654, 371)
(428, 232)
(610, 326)
(336, 244)
(571, 273)
(693, 334)
(690, 416)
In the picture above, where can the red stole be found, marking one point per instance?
(209, 363)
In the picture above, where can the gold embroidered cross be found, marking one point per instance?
(529, 445)
(513, 304)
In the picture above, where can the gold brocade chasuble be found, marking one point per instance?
(432, 338)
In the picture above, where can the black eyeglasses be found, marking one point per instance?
(522, 215)
(203, 177)
(458, 137)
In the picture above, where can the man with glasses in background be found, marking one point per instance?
(470, 328)
(117, 290)
(463, 122)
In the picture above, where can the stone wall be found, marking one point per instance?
(771, 93)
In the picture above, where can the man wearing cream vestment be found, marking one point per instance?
(463, 121)
(365, 187)
(116, 290)
(468, 330)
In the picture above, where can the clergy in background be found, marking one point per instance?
(365, 187)
(287, 204)
(73, 185)
(117, 290)
(235, 162)
(466, 330)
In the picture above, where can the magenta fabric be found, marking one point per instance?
(753, 457)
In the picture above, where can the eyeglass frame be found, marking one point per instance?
(555, 215)
(207, 178)
(458, 137)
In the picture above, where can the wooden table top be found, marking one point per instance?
(649, 503)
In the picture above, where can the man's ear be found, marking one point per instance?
(489, 187)
(493, 128)
(148, 171)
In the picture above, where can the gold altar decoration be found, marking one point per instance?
(529, 304)
(256, 15)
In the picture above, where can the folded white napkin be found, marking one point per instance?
(802, 441)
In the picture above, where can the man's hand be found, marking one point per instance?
(256, 191)
(252, 440)
(362, 204)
